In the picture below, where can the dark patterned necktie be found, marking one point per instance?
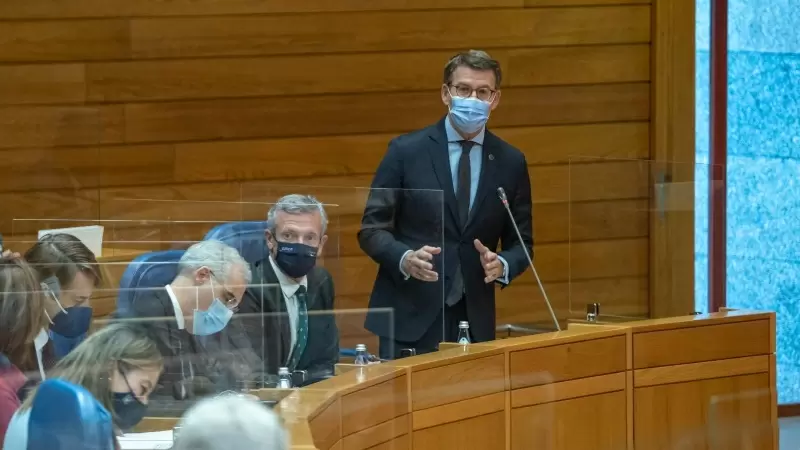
(302, 327)
(464, 182)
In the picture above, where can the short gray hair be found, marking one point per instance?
(219, 257)
(296, 204)
(230, 422)
(475, 60)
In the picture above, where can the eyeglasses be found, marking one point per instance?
(227, 296)
(461, 90)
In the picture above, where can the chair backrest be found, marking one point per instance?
(65, 416)
(246, 237)
(150, 270)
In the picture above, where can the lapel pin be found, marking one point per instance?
(491, 157)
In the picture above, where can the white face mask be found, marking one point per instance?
(38, 343)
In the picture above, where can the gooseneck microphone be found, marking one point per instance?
(501, 193)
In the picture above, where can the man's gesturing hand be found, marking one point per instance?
(418, 263)
(492, 266)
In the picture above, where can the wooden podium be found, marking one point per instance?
(699, 382)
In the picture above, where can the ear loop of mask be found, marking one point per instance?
(197, 292)
(45, 287)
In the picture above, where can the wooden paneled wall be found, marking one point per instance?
(105, 101)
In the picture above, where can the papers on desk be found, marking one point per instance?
(91, 236)
(156, 440)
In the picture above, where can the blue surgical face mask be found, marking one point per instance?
(469, 114)
(128, 408)
(72, 322)
(62, 345)
(212, 320)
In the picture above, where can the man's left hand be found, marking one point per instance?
(492, 266)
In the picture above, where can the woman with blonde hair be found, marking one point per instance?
(118, 364)
(22, 319)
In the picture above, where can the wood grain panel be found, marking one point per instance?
(81, 207)
(379, 434)
(673, 133)
(374, 113)
(374, 405)
(523, 302)
(253, 77)
(458, 411)
(32, 84)
(701, 371)
(566, 390)
(609, 259)
(457, 381)
(730, 413)
(567, 362)
(399, 443)
(85, 167)
(563, 144)
(565, 222)
(300, 75)
(593, 422)
(578, 65)
(326, 156)
(483, 432)
(326, 425)
(576, 182)
(50, 126)
(540, 3)
(653, 349)
(76, 40)
(15, 9)
(377, 31)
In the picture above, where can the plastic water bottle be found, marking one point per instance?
(284, 378)
(463, 332)
(362, 358)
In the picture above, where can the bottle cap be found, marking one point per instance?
(463, 324)
(361, 347)
(283, 371)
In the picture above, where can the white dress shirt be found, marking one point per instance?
(177, 307)
(289, 289)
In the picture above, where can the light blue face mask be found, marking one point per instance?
(214, 319)
(469, 114)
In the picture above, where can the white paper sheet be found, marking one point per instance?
(156, 440)
(91, 236)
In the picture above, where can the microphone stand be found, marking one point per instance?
(501, 193)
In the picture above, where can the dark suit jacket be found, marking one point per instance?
(271, 338)
(399, 220)
(225, 358)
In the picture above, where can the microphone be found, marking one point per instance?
(501, 194)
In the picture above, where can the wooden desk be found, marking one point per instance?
(697, 382)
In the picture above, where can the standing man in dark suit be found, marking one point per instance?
(292, 295)
(431, 288)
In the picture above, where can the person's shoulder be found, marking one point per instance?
(412, 139)
(509, 151)
(320, 273)
(150, 302)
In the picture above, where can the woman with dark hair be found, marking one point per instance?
(22, 319)
(68, 272)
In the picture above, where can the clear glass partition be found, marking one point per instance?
(366, 227)
(626, 240)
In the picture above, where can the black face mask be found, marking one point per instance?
(128, 409)
(294, 259)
